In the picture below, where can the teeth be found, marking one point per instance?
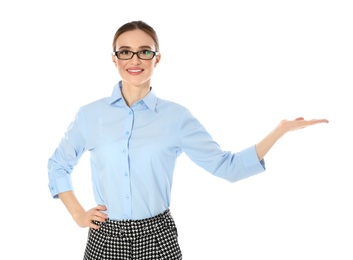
(134, 70)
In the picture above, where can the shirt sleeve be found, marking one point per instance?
(66, 156)
(200, 147)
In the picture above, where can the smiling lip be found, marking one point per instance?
(134, 71)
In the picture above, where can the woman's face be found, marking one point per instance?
(135, 72)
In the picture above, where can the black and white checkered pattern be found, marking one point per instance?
(152, 239)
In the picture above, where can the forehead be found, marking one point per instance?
(134, 39)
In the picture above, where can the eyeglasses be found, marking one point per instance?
(143, 55)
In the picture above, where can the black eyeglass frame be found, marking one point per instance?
(155, 53)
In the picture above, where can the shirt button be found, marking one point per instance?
(126, 132)
(126, 174)
(126, 197)
(130, 113)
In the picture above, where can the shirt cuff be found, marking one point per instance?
(251, 161)
(60, 185)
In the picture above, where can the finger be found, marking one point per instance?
(93, 225)
(99, 215)
(299, 118)
(98, 218)
(101, 207)
(315, 121)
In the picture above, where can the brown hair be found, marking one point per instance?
(134, 25)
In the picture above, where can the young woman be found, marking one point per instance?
(134, 139)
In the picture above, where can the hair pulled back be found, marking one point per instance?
(134, 25)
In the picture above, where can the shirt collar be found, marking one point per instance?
(150, 100)
(116, 95)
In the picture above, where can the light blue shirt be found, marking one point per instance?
(133, 151)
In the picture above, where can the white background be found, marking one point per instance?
(240, 67)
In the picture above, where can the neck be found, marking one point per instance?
(132, 94)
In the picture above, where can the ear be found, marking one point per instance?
(158, 58)
(115, 60)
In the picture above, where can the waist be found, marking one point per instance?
(137, 228)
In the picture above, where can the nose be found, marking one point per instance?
(135, 59)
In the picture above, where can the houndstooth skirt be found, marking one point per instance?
(153, 238)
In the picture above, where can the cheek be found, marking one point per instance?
(151, 64)
(120, 64)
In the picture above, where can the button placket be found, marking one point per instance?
(126, 173)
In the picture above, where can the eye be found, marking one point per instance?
(125, 52)
(146, 52)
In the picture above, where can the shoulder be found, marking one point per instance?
(94, 108)
(173, 111)
(170, 105)
(96, 104)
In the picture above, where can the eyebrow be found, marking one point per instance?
(141, 47)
